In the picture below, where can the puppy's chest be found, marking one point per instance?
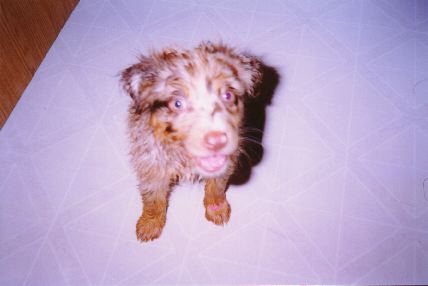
(179, 163)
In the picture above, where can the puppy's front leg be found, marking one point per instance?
(152, 221)
(217, 209)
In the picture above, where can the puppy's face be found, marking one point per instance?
(195, 100)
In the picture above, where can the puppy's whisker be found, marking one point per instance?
(246, 156)
(251, 129)
(252, 140)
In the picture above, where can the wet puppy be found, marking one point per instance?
(184, 124)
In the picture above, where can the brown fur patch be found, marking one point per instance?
(152, 221)
(217, 209)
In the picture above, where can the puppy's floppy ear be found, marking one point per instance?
(137, 78)
(253, 73)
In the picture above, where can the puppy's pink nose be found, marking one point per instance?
(215, 140)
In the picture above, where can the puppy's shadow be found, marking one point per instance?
(253, 126)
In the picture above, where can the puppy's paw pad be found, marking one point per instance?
(218, 213)
(214, 207)
(148, 229)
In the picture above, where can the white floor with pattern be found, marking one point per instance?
(337, 198)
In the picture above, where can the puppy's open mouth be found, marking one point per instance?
(212, 164)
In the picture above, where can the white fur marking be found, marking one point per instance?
(135, 82)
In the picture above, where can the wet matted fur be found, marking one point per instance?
(185, 123)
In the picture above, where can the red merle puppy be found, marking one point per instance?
(184, 124)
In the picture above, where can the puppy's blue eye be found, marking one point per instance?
(178, 104)
(228, 96)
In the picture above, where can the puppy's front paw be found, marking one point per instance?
(218, 213)
(149, 228)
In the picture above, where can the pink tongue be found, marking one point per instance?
(212, 163)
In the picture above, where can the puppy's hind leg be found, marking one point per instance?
(217, 209)
(153, 218)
